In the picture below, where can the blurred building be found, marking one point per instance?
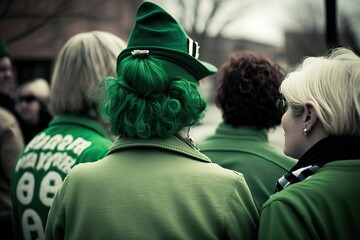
(299, 45)
(35, 30)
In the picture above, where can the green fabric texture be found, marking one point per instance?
(155, 30)
(44, 164)
(247, 150)
(4, 52)
(324, 206)
(153, 189)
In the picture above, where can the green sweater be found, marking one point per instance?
(247, 150)
(152, 189)
(325, 206)
(43, 165)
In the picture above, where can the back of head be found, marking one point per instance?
(332, 84)
(83, 62)
(152, 98)
(156, 92)
(248, 89)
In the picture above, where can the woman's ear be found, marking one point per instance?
(311, 116)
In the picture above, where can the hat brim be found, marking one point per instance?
(199, 69)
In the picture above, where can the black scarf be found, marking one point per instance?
(326, 150)
(330, 149)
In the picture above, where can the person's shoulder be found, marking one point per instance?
(84, 167)
(83, 170)
(100, 145)
(99, 141)
(299, 193)
(219, 173)
(8, 121)
(6, 117)
(96, 151)
(340, 165)
(284, 198)
(89, 172)
(275, 155)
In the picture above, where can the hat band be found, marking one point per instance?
(193, 48)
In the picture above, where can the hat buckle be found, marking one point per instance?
(139, 53)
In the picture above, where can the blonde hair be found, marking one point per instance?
(83, 62)
(39, 87)
(332, 84)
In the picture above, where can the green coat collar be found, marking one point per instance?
(227, 138)
(239, 139)
(80, 121)
(174, 144)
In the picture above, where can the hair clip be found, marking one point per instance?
(140, 53)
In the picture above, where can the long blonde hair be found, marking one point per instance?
(83, 62)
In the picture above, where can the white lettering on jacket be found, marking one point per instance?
(58, 143)
(60, 159)
(53, 155)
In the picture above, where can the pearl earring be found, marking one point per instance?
(305, 130)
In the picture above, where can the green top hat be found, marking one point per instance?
(3, 50)
(160, 35)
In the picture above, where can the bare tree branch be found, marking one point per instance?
(181, 5)
(234, 15)
(196, 9)
(6, 9)
(223, 12)
(216, 7)
(44, 21)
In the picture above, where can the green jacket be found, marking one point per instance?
(43, 165)
(152, 189)
(247, 150)
(325, 206)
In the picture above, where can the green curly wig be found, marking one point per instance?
(151, 98)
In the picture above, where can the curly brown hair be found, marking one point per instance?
(248, 89)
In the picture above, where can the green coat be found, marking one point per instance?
(325, 206)
(152, 189)
(43, 165)
(247, 150)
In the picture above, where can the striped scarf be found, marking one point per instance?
(296, 176)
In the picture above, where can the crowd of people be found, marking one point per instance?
(103, 149)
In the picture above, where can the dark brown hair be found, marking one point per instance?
(248, 89)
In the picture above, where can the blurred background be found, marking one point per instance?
(284, 30)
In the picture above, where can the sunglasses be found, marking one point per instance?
(27, 98)
(282, 104)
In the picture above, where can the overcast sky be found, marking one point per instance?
(261, 23)
(267, 20)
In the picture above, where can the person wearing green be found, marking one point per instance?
(76, 135)
(319, 197)
(247, 94)
(154, 183)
